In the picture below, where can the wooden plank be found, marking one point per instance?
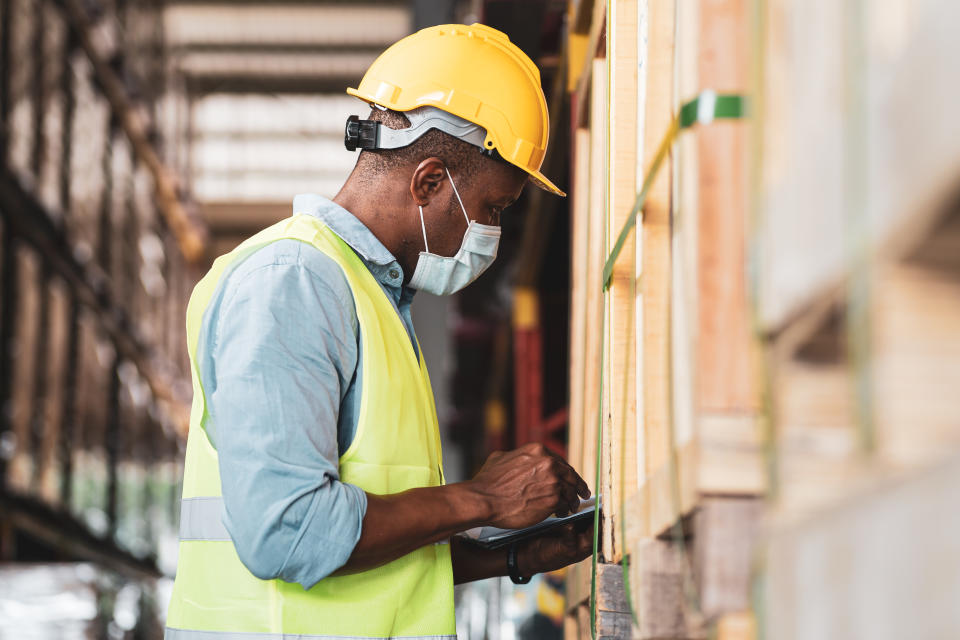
(730, 455)
(659, 572)
(610, 591)
(611, 624)
(726, 531)
(611, 595)
(583, 619)
(620, 432)
(656, 239)
(23, 394)
(613, 610)
(585, 381)
(728, 463)
(879, 564)
(49, 481)
(595, 257)
(916, 357)
(801, 244)
(571, 626)
(585, 82)
(683, 261)
(579, 231)
(725, 379)
(737, 626)
(578, 584)
(654, 507)
(814, 406)
(915, 145)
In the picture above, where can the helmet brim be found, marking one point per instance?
(541, 181)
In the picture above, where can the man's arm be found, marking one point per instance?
(277, 354)
(513, 490)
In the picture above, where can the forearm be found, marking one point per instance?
(394, 525)
(512, 490)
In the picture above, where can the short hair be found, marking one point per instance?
(463, 159)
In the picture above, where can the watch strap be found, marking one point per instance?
(512, 569)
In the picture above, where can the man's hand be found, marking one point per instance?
(524, 486)
(549, 553)
(546, 553)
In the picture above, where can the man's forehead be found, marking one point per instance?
(505, 181)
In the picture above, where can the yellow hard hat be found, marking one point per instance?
(475, 73)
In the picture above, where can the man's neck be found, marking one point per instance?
(383, 213)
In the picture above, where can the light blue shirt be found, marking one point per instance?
(280, 357)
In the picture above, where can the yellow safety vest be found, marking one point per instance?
(396, 447)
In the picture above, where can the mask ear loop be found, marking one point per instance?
(457, 193)
(426, 249)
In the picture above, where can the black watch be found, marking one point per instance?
(512, 569)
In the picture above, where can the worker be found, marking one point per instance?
(314, 503)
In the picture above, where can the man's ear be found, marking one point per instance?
(427, 179)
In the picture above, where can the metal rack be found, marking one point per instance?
(93, 279)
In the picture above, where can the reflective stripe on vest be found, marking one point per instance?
(187, 634)
(200, 519)
(396, 448)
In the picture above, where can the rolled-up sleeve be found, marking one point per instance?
(284, 349)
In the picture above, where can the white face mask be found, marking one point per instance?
(442, 276)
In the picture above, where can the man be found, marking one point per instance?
(314, 503)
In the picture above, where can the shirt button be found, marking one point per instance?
(394, 274)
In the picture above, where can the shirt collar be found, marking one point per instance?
(375, 256)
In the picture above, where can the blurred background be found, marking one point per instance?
(765, 394)
(140, 140)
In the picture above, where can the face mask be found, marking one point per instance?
(442, 276)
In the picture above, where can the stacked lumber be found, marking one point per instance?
(859, 303)
(681, 469)
(774, 365)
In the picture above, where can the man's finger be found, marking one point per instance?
(563, 503)
(571, 475)
(583, 489)
(568, 496)
(579, 486)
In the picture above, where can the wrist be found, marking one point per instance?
(472, 505)
(526, 561)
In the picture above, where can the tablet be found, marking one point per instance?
(495, 538)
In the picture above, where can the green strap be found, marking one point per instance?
(709, 106)
(705, 108)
